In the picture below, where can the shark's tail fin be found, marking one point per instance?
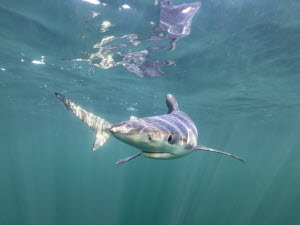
(98, 125)
(202, 148)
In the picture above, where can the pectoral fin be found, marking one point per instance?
(127, 159)
(202, 148)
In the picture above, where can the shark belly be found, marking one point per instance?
(164, 155)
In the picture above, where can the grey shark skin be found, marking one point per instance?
(168, 136)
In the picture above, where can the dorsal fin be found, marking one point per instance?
(171, 103)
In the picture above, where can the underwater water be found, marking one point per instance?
(237, 75)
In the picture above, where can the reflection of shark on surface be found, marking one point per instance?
(168, 136)
(174, 23)
(176, 20)
(137, 62)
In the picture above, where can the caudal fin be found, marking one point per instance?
(202, 148)
(98, 125)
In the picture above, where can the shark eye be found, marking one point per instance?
(170, 138)
(150, 138)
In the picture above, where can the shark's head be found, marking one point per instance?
(161, 137)
(152, 140)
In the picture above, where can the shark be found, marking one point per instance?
(169, 136)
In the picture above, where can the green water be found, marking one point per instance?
(236, 75)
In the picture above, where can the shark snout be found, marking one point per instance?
(126, 127)
(115, 129)
(121, 129)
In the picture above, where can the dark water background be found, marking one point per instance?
(237, 75)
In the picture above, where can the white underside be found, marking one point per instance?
(161, 155)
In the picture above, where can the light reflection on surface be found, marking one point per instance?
(94, 13)
(39, 61)
(95, 2)
(187, 9)
(125, 6)
(136, 62)
(105, 25)
(174, 23)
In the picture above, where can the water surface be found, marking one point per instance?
(236, 75)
